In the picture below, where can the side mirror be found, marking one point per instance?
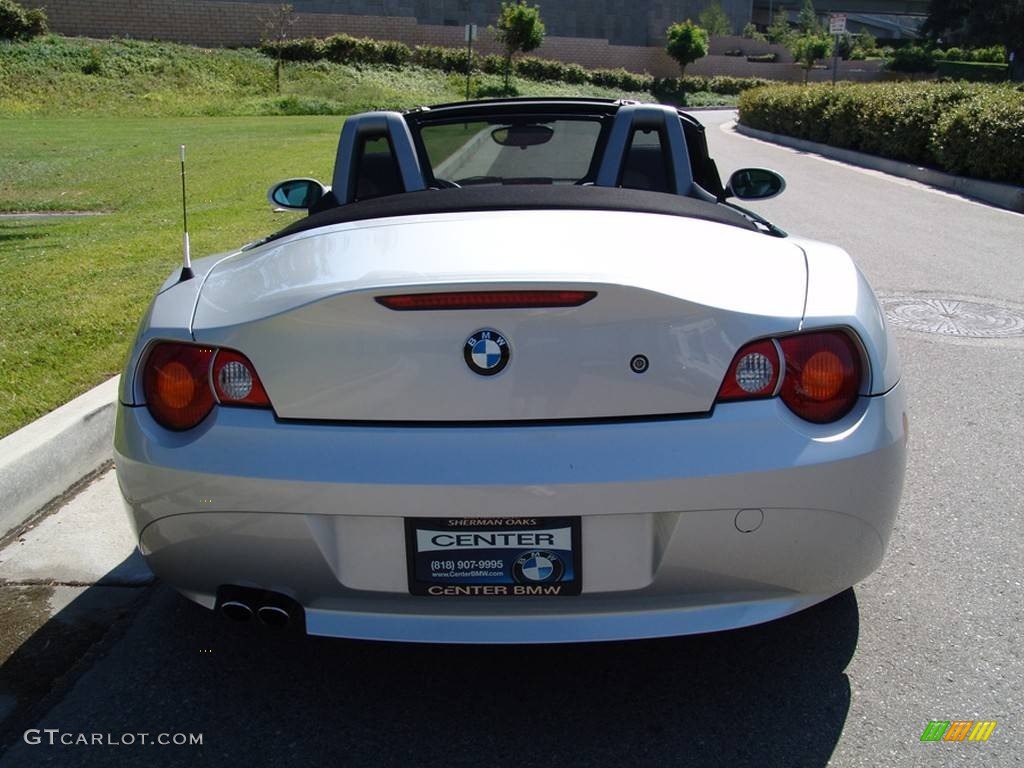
(755, 184)
(296, 194)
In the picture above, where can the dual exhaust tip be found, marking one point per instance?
(270, 615)
(242, 604)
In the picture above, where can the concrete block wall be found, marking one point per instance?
(216, 23)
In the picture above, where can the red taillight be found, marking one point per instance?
(176, 381)
(486, 300)
(823, 375)
(235, 380)
(821, 380)
(754, 372)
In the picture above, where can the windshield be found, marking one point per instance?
(558, 151)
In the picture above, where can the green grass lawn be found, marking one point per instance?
(73, 290)
(95, 126)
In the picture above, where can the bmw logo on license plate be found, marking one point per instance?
(486, 352)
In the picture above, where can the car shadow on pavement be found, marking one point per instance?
(772, 695)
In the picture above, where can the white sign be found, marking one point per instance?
(837, 24)
(551, 538)
(470, 33)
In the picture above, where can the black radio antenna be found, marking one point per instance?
(186, 266)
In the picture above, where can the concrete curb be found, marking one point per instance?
(42, 460)
(1007, 196)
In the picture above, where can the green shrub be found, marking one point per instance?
(730, 86)
(733, 52)
(344, 49)
(622, 79)
(963, 128)
(974, 71)
(911, 58)
(305, 49)
(994, 54)
(763, 58)
(750, 32)
(17, 23)
(492, 65)
(445, 59)
(984, 137)
(549, 69)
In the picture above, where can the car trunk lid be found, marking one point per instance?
(681, 294)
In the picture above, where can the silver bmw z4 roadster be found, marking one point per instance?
(522, 374)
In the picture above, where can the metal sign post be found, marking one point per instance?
(470, 37)
(837, 27)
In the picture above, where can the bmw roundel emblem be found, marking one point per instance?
(486, 352)
(539, 567)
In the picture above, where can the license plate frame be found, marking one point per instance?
(458, 557)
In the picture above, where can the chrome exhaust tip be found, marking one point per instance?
(235, 610)
(273, 616)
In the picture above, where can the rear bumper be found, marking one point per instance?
(315, 511)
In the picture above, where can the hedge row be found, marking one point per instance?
(968, 129)
(344, 49)
(974, 71)
(994, 54)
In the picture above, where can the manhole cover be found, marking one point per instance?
(953, 317)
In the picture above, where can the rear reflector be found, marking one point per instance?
(486, 300)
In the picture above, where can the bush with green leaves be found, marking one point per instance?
(964, 128)
(763, 58)
(983, 136)
(750, 33)
(304, 49)
(621, 79)
(686, 42)
(492, 64)
(911, 58)
(675, 90)
(444, 59)
(17, 23)
(344, 49)
(972, 71)
(551, 70)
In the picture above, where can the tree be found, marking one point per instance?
(779, 31)
(977, 22)
(807, 49)
(275, 29)
(519, 29)
(715, 20)
(980, 23)
(750, 32)
(686, 42)
(808, 19)
(16, 23)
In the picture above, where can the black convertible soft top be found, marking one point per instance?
(518, 197)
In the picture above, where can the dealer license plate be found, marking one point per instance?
(493, 557)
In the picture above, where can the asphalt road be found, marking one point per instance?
(934, 634)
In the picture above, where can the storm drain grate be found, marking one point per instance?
(953, 317)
